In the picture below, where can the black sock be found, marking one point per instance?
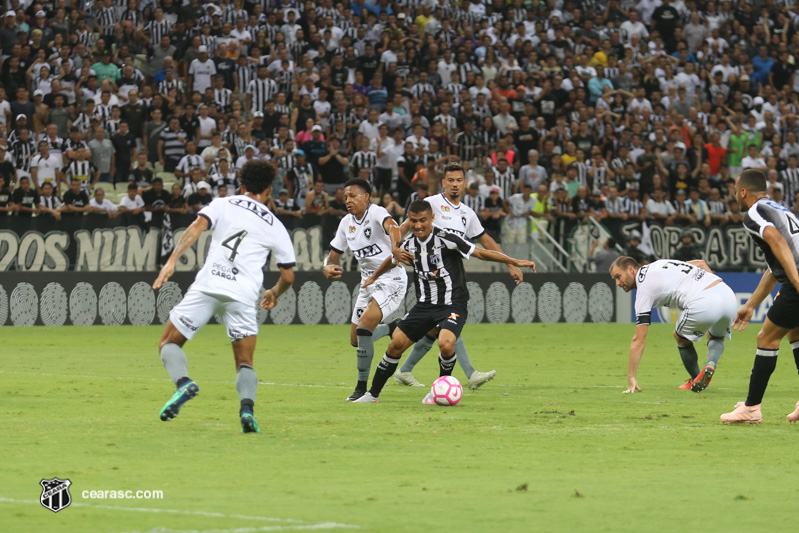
(690, 359)
(445, 365)
(182, 381)
(247, 406)
(361, 386)
(765, 363)
(388, 365)
(795, 348)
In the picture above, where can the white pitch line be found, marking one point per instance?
(319, 526)
(81, 376)
(296, 524)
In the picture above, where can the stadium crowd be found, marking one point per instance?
(559, 110)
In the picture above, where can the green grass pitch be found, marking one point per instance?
(550, 445)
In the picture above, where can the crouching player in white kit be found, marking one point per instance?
(706, 303)
(370, 232)
(245, 232)
(454, 216)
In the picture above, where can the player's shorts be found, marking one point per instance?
(388, 293)
(712, 311)
(423, 317)
(196, 309)
(784, 312)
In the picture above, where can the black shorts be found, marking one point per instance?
(423, 317)
(784, 312)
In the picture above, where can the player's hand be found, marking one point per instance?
(269, 301)
(164, 275)
(403, 256)
(523, 264)
(367, 282)
(632, 386)
(742, 318)
(332, 271)
(516, 273)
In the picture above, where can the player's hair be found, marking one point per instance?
(257, 176)
(753, 180)
(624, 261)
(454, 167)
(362, 184)
(420, 206)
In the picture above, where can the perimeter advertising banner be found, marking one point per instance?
(75, 298)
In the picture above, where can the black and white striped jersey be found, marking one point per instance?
(222, 99)
(106, 18)
(439, 276)
(475, 203)
(245, 74)
(82, 170)
(361, 160)
(23, 152)
(261, 91)
(790, 182)
(466, 146)
(156, 30)
(505, 181)
(765, 213)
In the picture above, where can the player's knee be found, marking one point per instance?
(447, 346)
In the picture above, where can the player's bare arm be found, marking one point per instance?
(188, 238)
(331, 268)
(764, 288)
(499, 257)
(783, 253)
(384, 267)
(272, 295)
(396, 233)
(636, 351)
(490, 244)
(402, 255)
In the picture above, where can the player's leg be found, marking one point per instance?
(420, 349)
(768, 345)
(410, 329)
(475, 377)
(721, 311)
(246, 381)
(241, 322)
(185, 320)
(793, 337)
(365, 345)
(690, 359)
(446, 356)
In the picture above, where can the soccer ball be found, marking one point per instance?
(446, 391)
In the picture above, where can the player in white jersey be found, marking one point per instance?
(245, 233)
(453, 215)
(370, 232)
(707, 306)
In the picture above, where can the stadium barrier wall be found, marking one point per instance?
(743, 285)
(75, 245)
(75, 298)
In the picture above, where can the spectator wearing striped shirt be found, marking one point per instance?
(261, 90)
(171, 145)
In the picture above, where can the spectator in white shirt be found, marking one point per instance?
(753, 159)
(101, 204)
(521, 207)
(132, 203)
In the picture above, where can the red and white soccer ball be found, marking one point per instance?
(446, 391)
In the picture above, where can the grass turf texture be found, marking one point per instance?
(550, 445)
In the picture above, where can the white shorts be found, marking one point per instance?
(388, 294)
(712, 311)
(196, 309)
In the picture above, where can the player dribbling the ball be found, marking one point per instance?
(440, 281)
